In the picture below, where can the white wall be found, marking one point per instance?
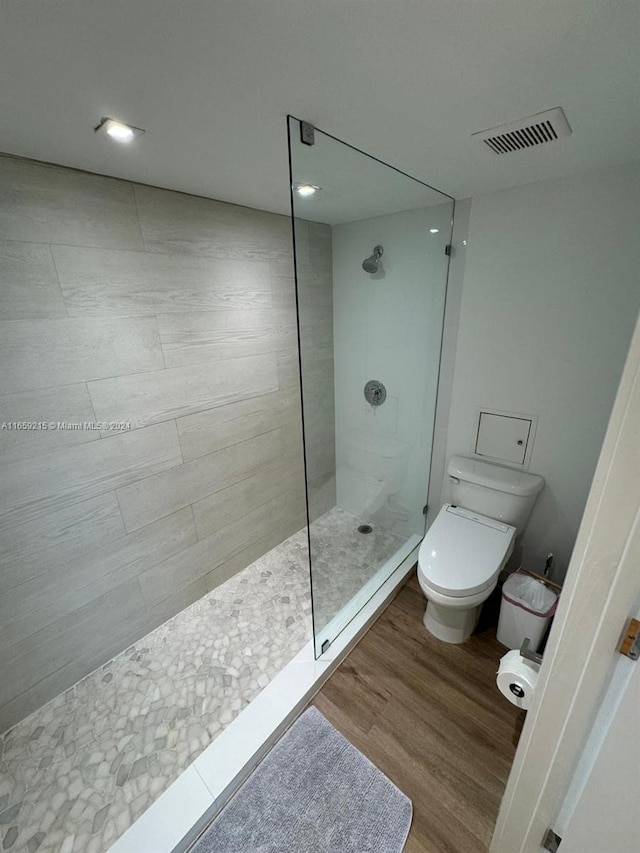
(448, 354)
(388, 327)
(550, 296)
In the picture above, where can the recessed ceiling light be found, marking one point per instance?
(306, 189)
(118, 130)
(434, 230)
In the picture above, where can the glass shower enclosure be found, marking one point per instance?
(371, 264)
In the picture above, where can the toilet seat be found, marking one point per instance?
(463, 552)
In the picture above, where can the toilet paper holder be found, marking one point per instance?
(527, 653)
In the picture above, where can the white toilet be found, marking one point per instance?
(470, 541)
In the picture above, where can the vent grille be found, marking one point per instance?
(528, 132)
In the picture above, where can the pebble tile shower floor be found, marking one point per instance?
(343, 560)
(79, 771)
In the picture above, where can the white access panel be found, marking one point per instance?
(503, 437)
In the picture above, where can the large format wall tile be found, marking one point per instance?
(183, 325)
(317, 365)
(154, 497)
(173, 314)
(315, 305)
(314, 251)
(32, 488)
(285, 516)
(84, 635)
(283, 300)
(293, 517)
(175, 222)
(283, 268)
(288, 370)
(42, 353)
(192, 338)
(202, 558)
(241, 498)
(211, 430)
(97, 282)
(65, 587)
(49, 204)
(32, 548)
(30, 288)
(149, 398)
(205, 346)
(62, 413)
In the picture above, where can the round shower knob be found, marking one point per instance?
(375, 393)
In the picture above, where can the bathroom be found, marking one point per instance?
(128, 567)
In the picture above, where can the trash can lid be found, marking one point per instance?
(530, 594)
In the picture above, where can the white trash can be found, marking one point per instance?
(525, 611)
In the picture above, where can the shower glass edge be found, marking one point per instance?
(371, 265)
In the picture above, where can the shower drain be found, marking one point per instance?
(365, 528)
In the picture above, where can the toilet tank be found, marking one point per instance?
(501, 493)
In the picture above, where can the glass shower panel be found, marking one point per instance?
(371, 272)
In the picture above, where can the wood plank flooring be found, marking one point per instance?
(428, 715)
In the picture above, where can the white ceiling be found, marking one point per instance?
(352, 187)
(406, 80)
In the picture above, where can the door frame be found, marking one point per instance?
(600, 591)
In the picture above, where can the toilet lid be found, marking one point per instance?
(463, 551)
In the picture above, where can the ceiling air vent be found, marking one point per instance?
(525, 133)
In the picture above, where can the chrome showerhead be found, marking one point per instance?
(372, 263)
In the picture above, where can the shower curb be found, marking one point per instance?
(180, 814)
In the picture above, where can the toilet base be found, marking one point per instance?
(449, 624)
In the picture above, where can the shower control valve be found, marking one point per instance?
(375, 393)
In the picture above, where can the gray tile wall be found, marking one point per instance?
(314, 262)
(129, 303)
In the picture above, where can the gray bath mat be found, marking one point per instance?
(313, 793)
